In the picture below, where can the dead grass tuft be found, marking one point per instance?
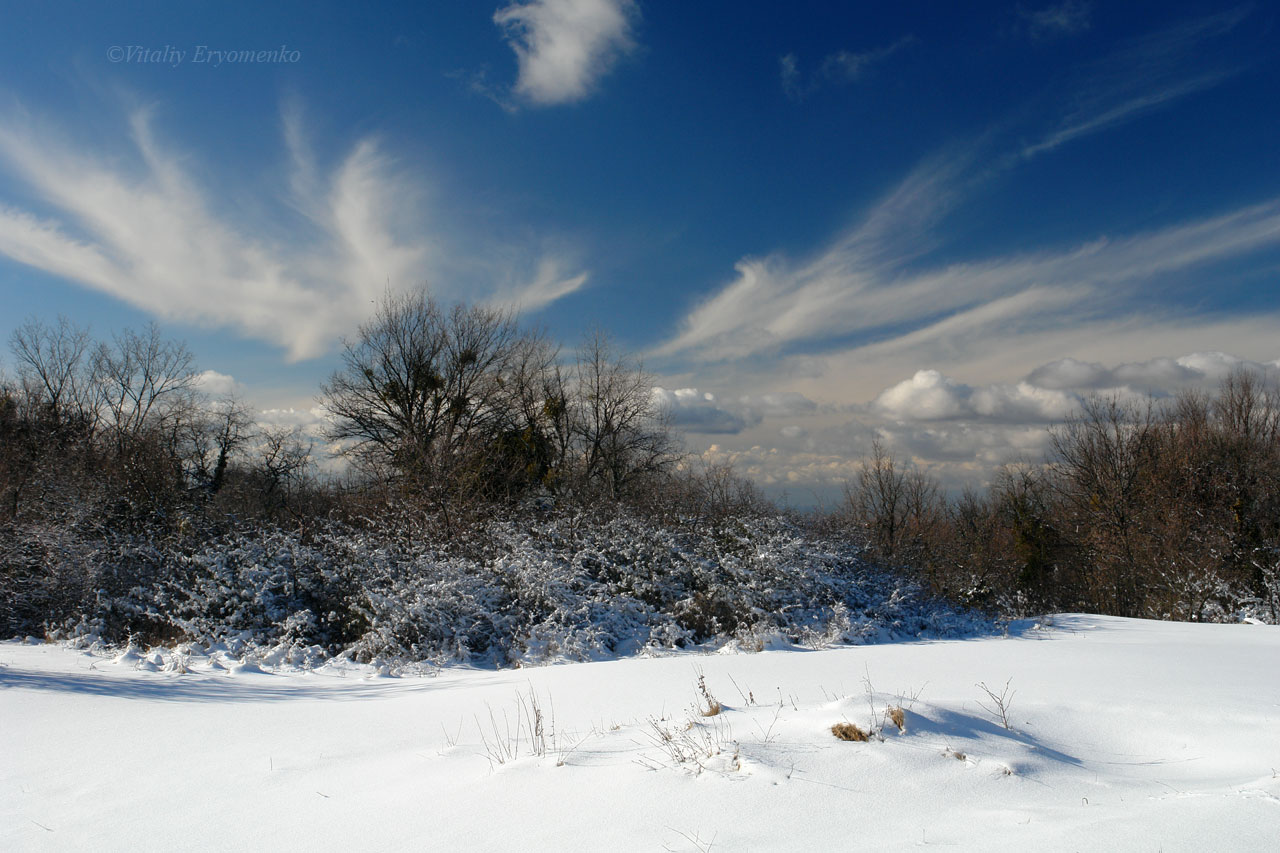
(898, 717)
(848, 731)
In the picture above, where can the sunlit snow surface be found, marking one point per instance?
(1125, 734)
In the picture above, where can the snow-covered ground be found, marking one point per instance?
(1124, 734)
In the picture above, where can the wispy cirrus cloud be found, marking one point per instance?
(564, 47)
(1058, 19)
(839, 68)
(140, 227)
(1146, 74)
(870, 286)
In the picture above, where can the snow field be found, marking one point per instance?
(1125, 734)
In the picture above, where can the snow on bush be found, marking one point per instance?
(504, 593)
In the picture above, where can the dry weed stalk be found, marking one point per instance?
(710, 705)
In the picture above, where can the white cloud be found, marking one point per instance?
(219, 384)
(1069, 373)
(550, 283)
(1161, 375)
(926, 396)
(141, 228)
(564, 47)
(931, 396)
(860, 284)
(1022, 403)
(871, 282)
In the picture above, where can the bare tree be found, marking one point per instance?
(1104, 463)
(147, 384)
(876, 500)
(214, 435)
(56, 372)
(622, 434)
(418, 384)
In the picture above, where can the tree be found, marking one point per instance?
(1105, 458)
(213, 436)
(418, 385)
(621, 433)
(53, 364)
(148, 385)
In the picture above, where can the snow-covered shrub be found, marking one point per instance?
(516, 589)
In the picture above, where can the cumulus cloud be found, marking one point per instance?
(1022, 403)
(931, 396)
(1161, 375)
(926, 396)
(564, 47)
(141, 227)
(219, 384)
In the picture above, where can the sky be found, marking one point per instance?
(819, 224)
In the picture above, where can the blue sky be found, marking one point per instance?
(821, 224)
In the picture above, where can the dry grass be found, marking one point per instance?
(848, 731)
(711, 704)
(898, 717)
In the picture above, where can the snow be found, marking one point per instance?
(1125, 734)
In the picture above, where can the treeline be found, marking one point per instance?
(117, 470)
(134, 504)
(1166, 510)
(117, 435)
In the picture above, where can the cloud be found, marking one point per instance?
(860, 287)
(564, 47)
(872, 285)
(697, 411)
(926, 396)
(789, 71)
(839, 68)
(219, 384)
(778, 404)
(985, 446)
(139, 227)
(931, 396)
(1066, 18)
(1161, 375)
(550, 283)
(1149, 72)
